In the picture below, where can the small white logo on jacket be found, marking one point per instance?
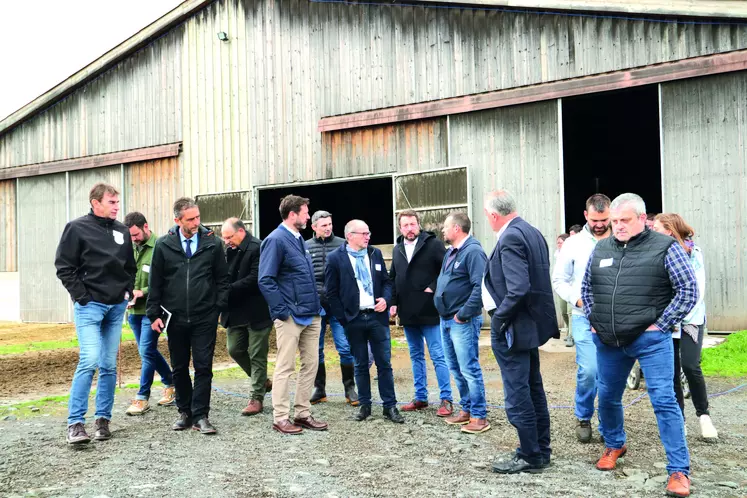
(118, 237)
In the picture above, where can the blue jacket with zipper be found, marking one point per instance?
(459, 287)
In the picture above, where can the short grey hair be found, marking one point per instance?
(634, 200)
(235, 223)
(350, 226)
(501, 202)
(320, 214)
(181, 204)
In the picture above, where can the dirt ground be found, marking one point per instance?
(375, 458)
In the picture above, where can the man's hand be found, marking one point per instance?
(456, 319)
(652, 328)
(428, 290)
(579, 304)
(157, 326)
(380, 305)
(393, 311)
(136, 294)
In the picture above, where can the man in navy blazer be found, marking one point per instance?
(359, 293)
(518, 280)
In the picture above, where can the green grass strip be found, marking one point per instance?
(728, 359)
(51, 345)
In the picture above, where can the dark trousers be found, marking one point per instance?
(249, 348)
(526, 404)
(195, 340)
(687, 358)
(366, 329)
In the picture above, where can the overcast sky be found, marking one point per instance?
(42, 42)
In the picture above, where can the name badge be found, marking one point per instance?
(118, 237)
(146, 268)
(378, 267)
(605, 263)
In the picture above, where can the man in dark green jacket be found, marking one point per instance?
(143, 242)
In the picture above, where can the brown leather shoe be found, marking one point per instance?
(446, 409)
(310, 424)
(678, 485)
(414, 405)
(286, 427)
(476, 426)
(609, 458)
(460, 418)
(254, 407)
(268, 386)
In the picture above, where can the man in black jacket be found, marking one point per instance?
(320, 245)
(96, 264)
(416, 263)
(189, 279)
(247, 319)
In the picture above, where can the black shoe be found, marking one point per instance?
(204, 426)
(394, 415)
(182, 423)
(76, 434)
(516, 465)
(101, 428)
(363, 413)
(320, 384)
(348, 382)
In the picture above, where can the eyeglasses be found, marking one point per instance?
(365, 234)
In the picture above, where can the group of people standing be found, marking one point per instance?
(632, 290)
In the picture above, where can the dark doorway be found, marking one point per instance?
(611, 146)
(367, 200)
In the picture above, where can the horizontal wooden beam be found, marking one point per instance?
(90, 162)
(646, 75)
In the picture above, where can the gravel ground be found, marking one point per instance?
(374, 458)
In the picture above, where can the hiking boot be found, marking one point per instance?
(476, 426)
(446, 409)
(76, 434)
(138, 407)
(678, 485)
(414, 405)
(348, 382)
(268, 386)
(460, 418)
(320, 383)
(609, 458)
(101, 428)
(168, 397)
(707, 430)
(253, 408)
(583, 431)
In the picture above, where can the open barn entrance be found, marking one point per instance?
(369, 200)
(611, 146)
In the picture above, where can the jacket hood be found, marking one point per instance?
(424, 235)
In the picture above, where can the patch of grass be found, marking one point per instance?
(47, 405)
(127, 335)
(397, 344)
(728, 359)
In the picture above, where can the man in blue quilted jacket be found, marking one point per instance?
(286, 280)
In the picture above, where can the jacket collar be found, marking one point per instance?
(101, 221)
(151, 242)
(324, 240)
(174, 240)
(636, 239)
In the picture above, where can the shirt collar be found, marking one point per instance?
(503, 229)
(459, 246)
(183, 238)
(293, 232)
(408, 243)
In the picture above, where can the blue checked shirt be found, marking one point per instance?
(681, 276)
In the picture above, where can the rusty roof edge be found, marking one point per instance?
(103, 63)
(725, 9)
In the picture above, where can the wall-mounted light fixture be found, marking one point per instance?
(222, 36)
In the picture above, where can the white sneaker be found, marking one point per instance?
(707, 430)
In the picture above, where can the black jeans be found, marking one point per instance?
(687, 358)
(363, 330)
(196, 339)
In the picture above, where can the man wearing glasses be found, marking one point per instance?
(359, 293)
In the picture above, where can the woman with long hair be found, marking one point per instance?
(688, 341)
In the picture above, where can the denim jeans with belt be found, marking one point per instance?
(654, 352)
(460, 342)
(151, 359)
(99, 330)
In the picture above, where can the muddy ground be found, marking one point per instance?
(374, 458)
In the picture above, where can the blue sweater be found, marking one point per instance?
(459, 287)
(286, 276)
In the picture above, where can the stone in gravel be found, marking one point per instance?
(269, 480)
(659, 479)
(408, 430)
(730, 463)
(365, 475)
(420, 422)
(479, 465)
(660, 465)
(431, 461)
(323, 462)
(34, 409)
(456, 449)
(728, 484)
(296, 489)
(9, 418)
(440, 452)
(408, 442)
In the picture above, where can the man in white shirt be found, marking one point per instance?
(566, 282)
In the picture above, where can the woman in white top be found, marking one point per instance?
(688, 341)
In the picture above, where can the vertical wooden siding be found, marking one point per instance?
(152, 188)
(8, 239)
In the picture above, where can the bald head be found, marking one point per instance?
(233, 232)
(357, 234)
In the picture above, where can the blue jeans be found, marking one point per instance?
(460, 343)
(655, 355)
(338, 335)
(586, 375)
(99, 330)
(366, 331)
(417, 338)
(150, 358)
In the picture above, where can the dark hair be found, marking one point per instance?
(563, 236)
(408, 213)
(135, 219)
(292, 204)
(98, 191)
(650, 216)
(181, 204)
(575, 228)
(461, 220)
(599, 202)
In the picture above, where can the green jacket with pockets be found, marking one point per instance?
(143, 256)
